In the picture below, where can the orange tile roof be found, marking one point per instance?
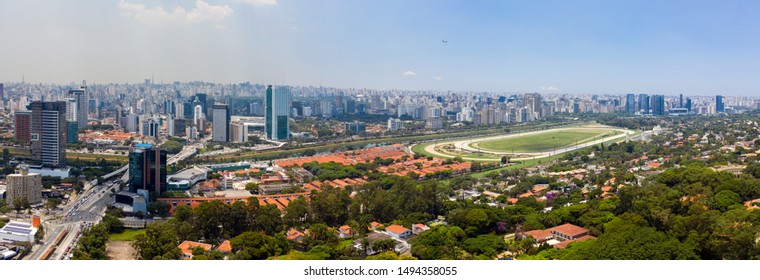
(397, 229)
(569, 229)
(225, 247)
(540, 234)
(187, 246)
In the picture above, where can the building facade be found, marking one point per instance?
(24, 185)
(48, 133)
(147, 169)
(23, 126)
(82, 103)
(277, 113)
(220, 131)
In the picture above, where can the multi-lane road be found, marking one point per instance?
(85, 210)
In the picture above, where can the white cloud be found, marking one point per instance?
(549, 88)
(437, 78)
(260, 2)
(176, 16)
(409, 73)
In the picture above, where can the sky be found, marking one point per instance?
(582, 47)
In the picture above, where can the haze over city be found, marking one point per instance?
(591, 47)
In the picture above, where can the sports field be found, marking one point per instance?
(530, 145)
(541, 141)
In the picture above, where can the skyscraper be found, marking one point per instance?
(533, 102)
(630, 103)
(277, 112)
(48, 134)
(221, 129)
(644, 103)
(147, 169)
(719, 107)
(23, 126)
(688, 105)
(82, 103)
(198, 118)
(658, 105)
(680, 100)
(2, 91)
(72, 132)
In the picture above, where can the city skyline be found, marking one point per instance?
(554, 47)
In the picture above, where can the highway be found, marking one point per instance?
(86, 209)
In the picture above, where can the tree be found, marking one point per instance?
(158, 242)
(269, 219)
(159, 208)
(20, 203)
(112, 223)
(4, 208)
(40, 234)
(258, 246)
(297, 212)
(52, 203)
(6, 155)
(320, 234)
(92, 244)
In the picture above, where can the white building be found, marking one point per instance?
(17, 232)
(395, 124)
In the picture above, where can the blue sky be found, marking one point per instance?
(669, 47)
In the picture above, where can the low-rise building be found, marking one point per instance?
(15, 231)
(187, 248)
(398, 231)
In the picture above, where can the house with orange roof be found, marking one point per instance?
(568, 232)
(345, 231)
(225, 247)
(294, 235)
(540, 235)
(375, 225)
(419, 228)
(187, 248)
(398, 231)
(563, 244)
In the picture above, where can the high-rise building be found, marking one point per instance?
(220, 131)
(48, 133)
(644, 103)
(277, 112)
(2, 92)
(630, 103)
(256, 108)
(132, 122)
(24, 185)
(238, 132)
(680, 100)
(719, 106)
(23, 126)
(658, 105)
(199, 118)
(533, 102)
(72, 132)
(147, 169)
(688, 105)
(82, 102)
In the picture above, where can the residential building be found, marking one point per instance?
(48, 133)
(24, 185)
(277, 113)
(187, 248)
(398, 231)
(568, 232)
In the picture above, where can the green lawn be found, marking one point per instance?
(542, 141)
(127, 235)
